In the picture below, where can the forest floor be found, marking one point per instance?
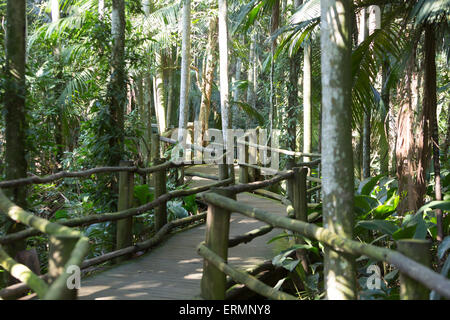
(173, 269)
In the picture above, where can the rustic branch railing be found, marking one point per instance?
(70, 245)
(220, 204)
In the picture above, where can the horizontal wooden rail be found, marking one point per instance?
(201, 175)
(282, 151)
(249, 236)
(238, 188)
(413, 269)
(22, 288)
(104, 217)
(243, 277)
(85, 173)
(58, 288)
(259, 146)
(20, 215)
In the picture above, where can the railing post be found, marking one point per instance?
(156, 153)
(223, 167)
(213, 284)
(159, 179)
(243, 169)
(60, 249)
(300, 204)
(418, 250)
(124, 235)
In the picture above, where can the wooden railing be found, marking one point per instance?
(221, 203)
(70, 246)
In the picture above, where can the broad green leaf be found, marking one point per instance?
(383, 226)
(405, 232)
(443, 205)
(366, 186)
(443, 247)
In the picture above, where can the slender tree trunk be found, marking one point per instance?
(160, 108)
(307, 101)
(223, 72)
(430, 103)
(384, 139)
(447, 139)
(337, 158)
(15, 112)
(367, 112)
(117, 85)
(59, 134)
(293, 105)
(211, 59)
(274, 22)
(185, 71)
(251, 99)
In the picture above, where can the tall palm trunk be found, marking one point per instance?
(367, 111)
(337, 158)
(384, 139)
(251, 74)
(430, 103)
(59, 134)
(160, 107)
(15, 112)
(307, 101)
(185, 71)
(223, 71)
(274, 22)
(211, 60)
(117, 86)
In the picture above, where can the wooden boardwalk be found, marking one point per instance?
(173, 269)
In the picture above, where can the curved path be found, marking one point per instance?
(173, 269)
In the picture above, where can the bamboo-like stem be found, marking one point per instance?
(424, 275)
(58, 289)
(242, 277)
(23, 273)
(21, 288)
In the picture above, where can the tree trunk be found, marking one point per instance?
(307, 101)
(160, 107)
(117, 86)
(430, 103)
(384, 139)
(185, 71)
(223, 70)
(367, 112)
(412, 145)
(274, 22)
(337, 158)
(15, 113)
(251, 98)
(211, 59)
